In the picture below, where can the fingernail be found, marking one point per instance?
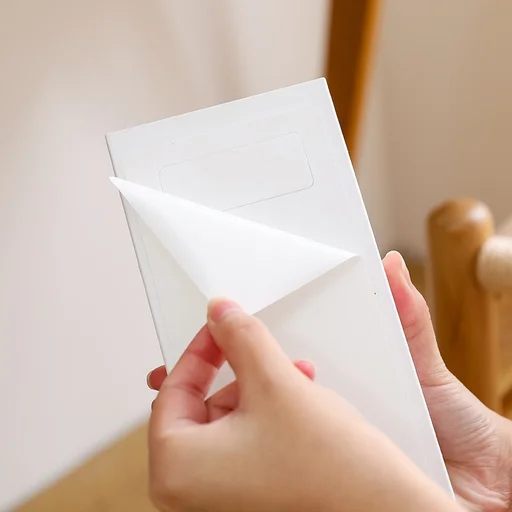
(148, 377)
(306, 367)
(219, 307)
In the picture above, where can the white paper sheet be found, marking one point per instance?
(228, 256)
(256, 200)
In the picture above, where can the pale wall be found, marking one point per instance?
(76, 334)
(444, 85)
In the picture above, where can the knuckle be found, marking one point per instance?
(243, 326)
(271, 387)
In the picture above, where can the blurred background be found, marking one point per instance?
(422, 90)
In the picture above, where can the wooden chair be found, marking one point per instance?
(469, 287)
(352, 36)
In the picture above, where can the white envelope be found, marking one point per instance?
(256, 200)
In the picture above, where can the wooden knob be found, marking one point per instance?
(494, 264)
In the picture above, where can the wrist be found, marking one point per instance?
(390, 483)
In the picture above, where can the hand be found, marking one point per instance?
(273, 440)
(156, 377)
(476, 442)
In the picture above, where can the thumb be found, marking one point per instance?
(247, 344)
(416, 322)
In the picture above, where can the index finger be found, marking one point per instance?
(181, 400)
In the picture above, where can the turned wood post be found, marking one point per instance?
(464, 311)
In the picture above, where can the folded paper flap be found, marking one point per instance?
(225, 255)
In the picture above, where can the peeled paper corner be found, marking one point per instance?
(225, 255)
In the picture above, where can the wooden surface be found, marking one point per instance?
(352, 36)
(465, 314)
(113, 481)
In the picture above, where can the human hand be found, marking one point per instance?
(156, 377)
(271, 441)
(476, 442)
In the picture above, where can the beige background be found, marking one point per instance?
(439, 119)
(76, 337)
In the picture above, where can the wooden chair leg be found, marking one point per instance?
(350, 55)
(464, 312)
